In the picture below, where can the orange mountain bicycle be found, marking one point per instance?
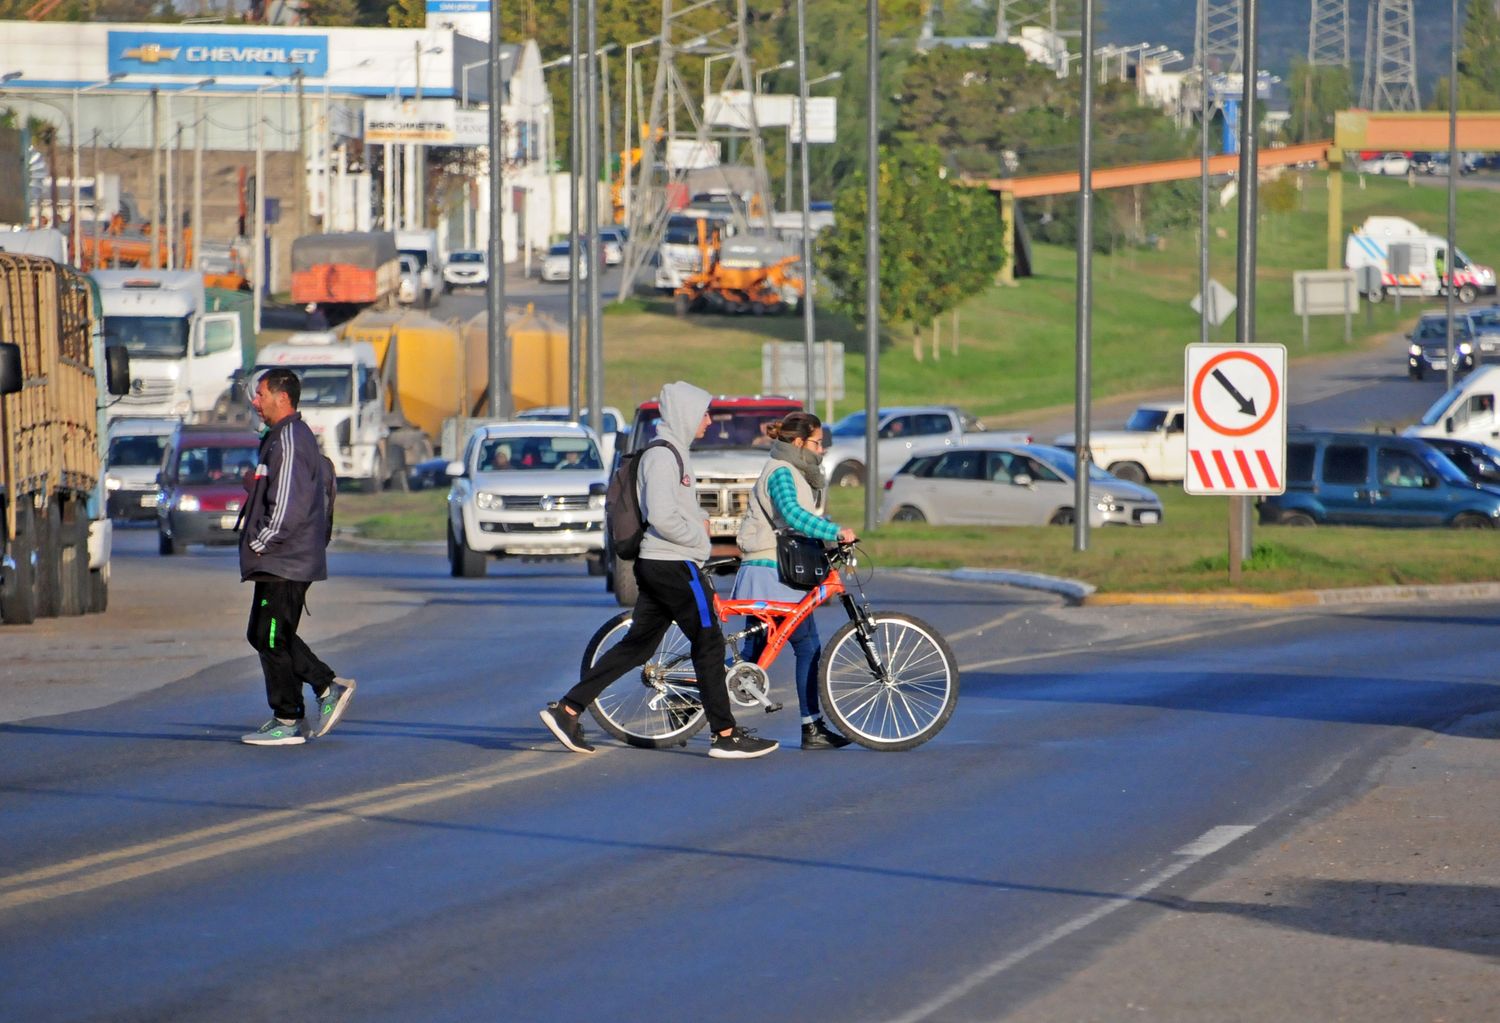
(887, 679)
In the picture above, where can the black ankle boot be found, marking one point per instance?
(817, 735)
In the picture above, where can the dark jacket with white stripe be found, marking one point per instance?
(288, 517)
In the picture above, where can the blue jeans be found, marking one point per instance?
(808, 650)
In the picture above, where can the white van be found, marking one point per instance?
(343, 401)
(1466, 412)
(1369, 245)
(422, 246)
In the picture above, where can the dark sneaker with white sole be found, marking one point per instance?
(567, 728)
(276, 732)
(741, 744)
(332, 704)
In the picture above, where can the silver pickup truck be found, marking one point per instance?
(902, 432)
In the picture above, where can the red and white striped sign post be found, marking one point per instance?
(1236, 419)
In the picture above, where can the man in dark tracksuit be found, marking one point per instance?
(287, 525)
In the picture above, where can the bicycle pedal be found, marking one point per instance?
(772, 708)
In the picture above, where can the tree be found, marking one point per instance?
(939, 243)
(331, 13)
(1478, 71)
(407, 14)
(1317, 93)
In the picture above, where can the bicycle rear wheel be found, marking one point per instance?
(899, 693)
(656, 705)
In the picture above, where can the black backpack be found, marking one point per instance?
(622, 501)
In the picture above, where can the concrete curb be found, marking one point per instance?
(1080, 593)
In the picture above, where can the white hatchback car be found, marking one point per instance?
(526, 489)
(980, 483)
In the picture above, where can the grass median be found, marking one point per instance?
(1188, 553)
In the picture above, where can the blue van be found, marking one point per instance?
(1376, 479)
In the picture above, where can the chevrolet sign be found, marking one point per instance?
(217, 53)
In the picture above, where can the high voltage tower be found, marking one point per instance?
(1222, 19)
(1328, 34)
(1013, 15)
(691, 136)
(1390, 78)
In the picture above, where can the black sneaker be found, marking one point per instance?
(741, 744)
(817, 735)
(567, 728)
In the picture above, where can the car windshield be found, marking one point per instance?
(728, 428)
(148, 337)
(466, 257)
(560, 249)
(1062, 462)
(503, 454)
(852, 425)
(1444, 467)
(418, 256)
(1437, 330)
(325, 386)
(1439, 408)
(136, 451)
(199, 465)
(1146, 419)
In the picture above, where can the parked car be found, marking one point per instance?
(1397, 164)
(1376, 479)
(466, 268)
(201, 487)
(1152, 446)
(1428, 351)
(901, 432)
(131, 463)
(612, 245)
(1479, 462)
(526, 489)
(980, 482)
(555, 264)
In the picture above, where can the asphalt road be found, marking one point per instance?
(439, 857)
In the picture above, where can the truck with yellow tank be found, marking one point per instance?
(54, 368)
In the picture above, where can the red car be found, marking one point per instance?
(201, 486)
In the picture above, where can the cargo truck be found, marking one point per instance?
(345, 272)
(184, 358)
(54, 368)
(1424, 276)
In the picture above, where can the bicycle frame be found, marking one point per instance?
(780, 618)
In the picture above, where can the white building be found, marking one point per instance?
(235, 88)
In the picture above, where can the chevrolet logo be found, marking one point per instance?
(151, 53)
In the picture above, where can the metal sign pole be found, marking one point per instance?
(1082, 456)
(809, 329)
(499, 382)
(1450, 258)
(872, 258)
(1240, 538)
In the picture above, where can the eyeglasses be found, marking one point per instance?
(813, 442)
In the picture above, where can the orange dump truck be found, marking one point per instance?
(347, 271)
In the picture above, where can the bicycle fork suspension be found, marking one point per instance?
(864, 631)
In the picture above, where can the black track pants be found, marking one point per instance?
(286, 660)
(670, 591)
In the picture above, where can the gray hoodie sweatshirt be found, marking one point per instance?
(678, 529)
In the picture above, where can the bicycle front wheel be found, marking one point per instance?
(894, 693)
(653, 706)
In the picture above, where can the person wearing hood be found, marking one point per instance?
(783, 498)
(673, 588)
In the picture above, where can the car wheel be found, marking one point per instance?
(463, 563)
(906, 513)
(1467, 293)
(165, 545)
(1471, 520)
(1376, 297)
(1130, 472)
(1061, 517)
(1297, 519)
(376, 480)
(849, 474)
(595, 564)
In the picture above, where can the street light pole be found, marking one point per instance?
(872, 259)
(499, 339)
(591, 207)
(809, 328)
(575, 348)
(259, 241)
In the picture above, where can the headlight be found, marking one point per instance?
(111, 483)
(1414, 350)
(596, 500)
(1465, 348)
(1106, 504)
(488, 502)
(187, 503)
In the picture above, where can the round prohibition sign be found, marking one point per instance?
(1272, 403)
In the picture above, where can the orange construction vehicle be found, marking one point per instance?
(119, 247)
(740, 274)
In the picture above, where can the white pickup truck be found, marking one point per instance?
(1151, 448)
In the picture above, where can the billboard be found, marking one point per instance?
(205, 54)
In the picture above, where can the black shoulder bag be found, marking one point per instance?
(801, 561)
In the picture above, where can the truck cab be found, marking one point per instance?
(183, 358)
(1151, 448)
(343, 401)
(1466, 412)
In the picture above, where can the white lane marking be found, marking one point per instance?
(1108, 649)
(982, 627)
(1194, 852)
